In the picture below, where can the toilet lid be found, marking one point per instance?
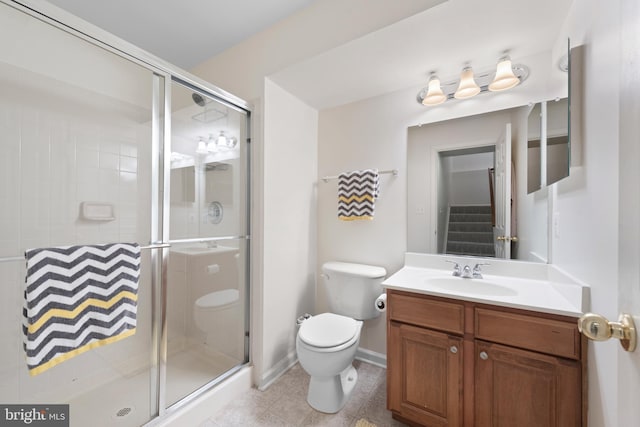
(219, 298)
(327, 330)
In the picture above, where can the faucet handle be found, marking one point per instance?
(457, 271)
(477, 272)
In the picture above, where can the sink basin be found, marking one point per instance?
(470, 286)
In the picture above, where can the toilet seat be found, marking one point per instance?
(218, 299)
(328, 330)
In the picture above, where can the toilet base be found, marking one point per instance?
(330, 394)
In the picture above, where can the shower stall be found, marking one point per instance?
(103, 143)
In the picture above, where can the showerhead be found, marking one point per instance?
(198, 99)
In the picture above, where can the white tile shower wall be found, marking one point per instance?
(54, 159)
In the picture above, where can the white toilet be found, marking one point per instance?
(326, 344)
(217, 314)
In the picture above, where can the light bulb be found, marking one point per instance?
(434, 94)
(202, 147)
(211, 145)
(468, 86)
(222, 140)
(504, 79)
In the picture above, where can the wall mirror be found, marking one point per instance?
(183, 181)
(548, 148)
(467, 187)
(534, 156)
(558, 146)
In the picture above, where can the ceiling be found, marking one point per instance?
(183, 32)
(394, 57)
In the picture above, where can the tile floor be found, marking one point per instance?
(284, 403)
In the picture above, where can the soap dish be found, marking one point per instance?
(95, 211)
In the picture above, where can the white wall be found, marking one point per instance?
(289, 218)
(470, 179)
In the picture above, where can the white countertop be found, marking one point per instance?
(541, 288)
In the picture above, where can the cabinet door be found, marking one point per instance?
(424, 371)
(525, 389)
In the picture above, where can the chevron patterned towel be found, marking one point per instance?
(357, 193)
(78, 298)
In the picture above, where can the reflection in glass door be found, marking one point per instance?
(206, 274)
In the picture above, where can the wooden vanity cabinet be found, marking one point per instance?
(423, 356)
(457, 363)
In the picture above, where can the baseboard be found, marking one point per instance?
(375, 358)
(275, 372)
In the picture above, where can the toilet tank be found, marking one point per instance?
(353, 288)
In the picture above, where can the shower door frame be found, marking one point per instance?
(163, 75)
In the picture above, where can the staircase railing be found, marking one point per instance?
(491, 197)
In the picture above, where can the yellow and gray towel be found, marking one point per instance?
(78, 298)
(357, 194)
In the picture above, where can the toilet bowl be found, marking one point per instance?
(326, 344)
(217, 315)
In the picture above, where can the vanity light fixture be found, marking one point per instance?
(504, 76)
(434, 95)
(468, 86)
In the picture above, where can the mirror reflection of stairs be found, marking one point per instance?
(470, 231)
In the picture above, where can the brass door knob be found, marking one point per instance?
(507, 238)
(596, 327)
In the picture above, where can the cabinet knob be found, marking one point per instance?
(598, 328)
(453, 349)
(484, 355)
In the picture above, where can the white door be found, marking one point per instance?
(629, 210)
(502, 191)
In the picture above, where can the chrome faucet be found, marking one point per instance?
(466, 272)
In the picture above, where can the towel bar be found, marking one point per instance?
(391, 171)
(154, 246)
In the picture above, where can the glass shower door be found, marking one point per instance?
(75, 169)
(206, 267)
